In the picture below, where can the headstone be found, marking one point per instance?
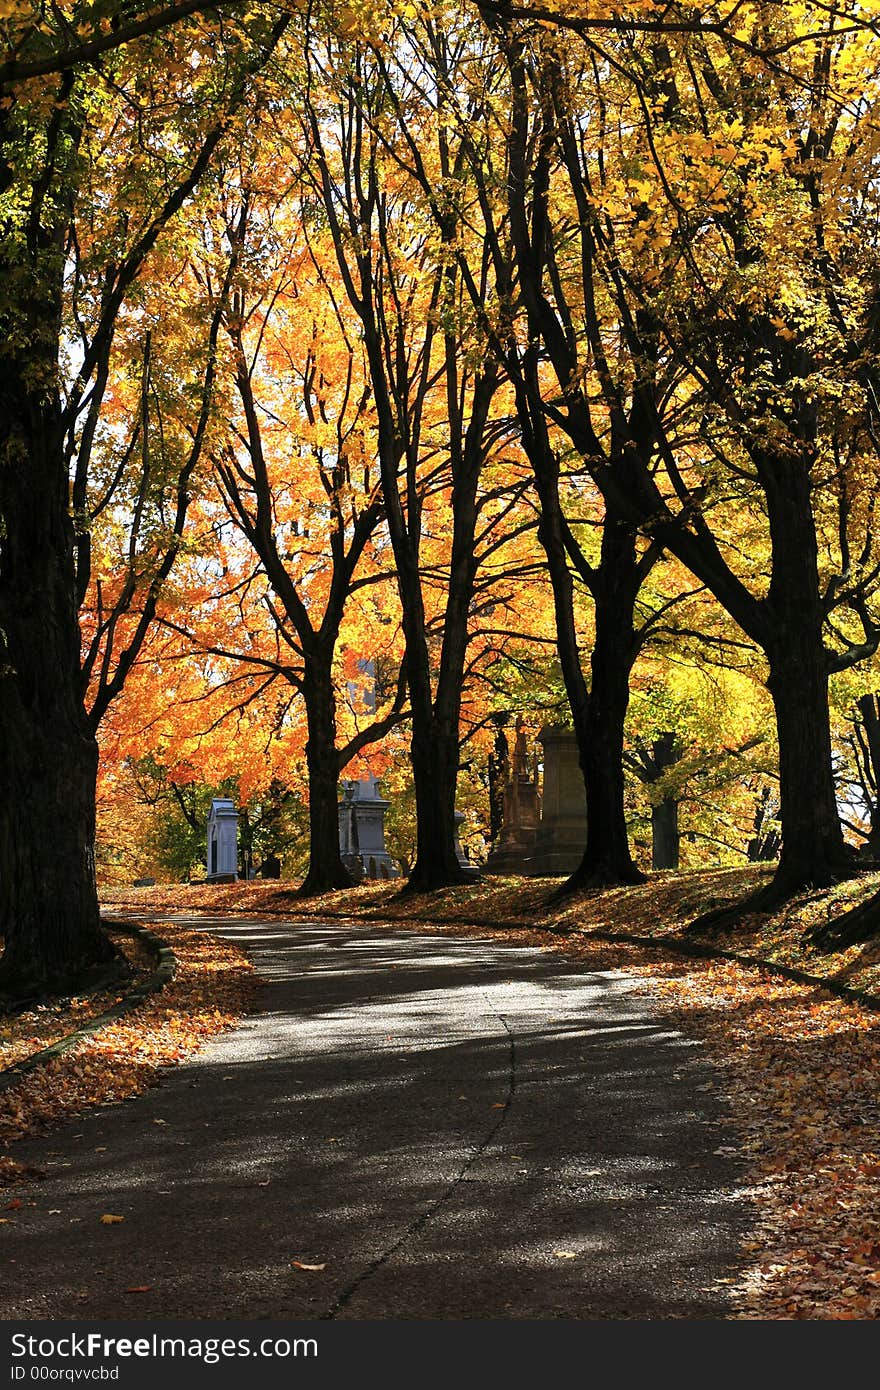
(362, 831)
(222, 841)
(472, 870)
(522, 811)
(561, 839)
(144, 882)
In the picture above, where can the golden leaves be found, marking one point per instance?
(213, 986)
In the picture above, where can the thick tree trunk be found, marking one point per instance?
(650, 766)
(814, 854)
(326, 871)
(607, 859)
(435, 773)
(436, 723)
(49, 918)
(598, 714)
(435, 740)
(49, 915)
(665, 838)
(813, 849)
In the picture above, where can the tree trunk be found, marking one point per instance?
(665, 839)
(435, 744)
(607, 859)
(598, 714)
(813, 849)
(814, 854)
(326, 870)
(49, 914)
(435, 774)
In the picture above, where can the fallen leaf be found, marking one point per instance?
(298, 1264)
(565, 1254)
(139, 1288)
(109, 1220)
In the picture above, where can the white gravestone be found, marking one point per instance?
(362, 830)
(222, 840)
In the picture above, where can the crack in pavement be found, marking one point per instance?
(416, 1227)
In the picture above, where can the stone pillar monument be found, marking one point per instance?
(521, 815)
(472, 870)
(222, 865)
(562, 837)
(362, 831)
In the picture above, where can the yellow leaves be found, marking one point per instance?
(642, 190)
(108, 1219)
(782, 329)
(16, 11)
(361, 19)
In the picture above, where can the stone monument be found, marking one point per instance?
(521, 814)
(562, 836)
(362, 831)
(471, 869)
(222, 841)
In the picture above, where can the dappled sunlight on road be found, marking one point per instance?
(451, 1128)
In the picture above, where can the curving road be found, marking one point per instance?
(451, 1128)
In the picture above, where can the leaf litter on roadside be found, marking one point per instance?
(214, 985)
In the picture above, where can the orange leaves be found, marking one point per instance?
(213, 986)
(38, 1028)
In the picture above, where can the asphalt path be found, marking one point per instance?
(445, 1128)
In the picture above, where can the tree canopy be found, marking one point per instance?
(373, 374)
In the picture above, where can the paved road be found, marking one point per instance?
(451, 1128)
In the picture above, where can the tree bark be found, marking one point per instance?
(435, 775)
(435, 746)
(813, 850)
(598, 713)
(49, 915)
(814, 854)
(326, 870)
(665, 838)
(607, 859)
